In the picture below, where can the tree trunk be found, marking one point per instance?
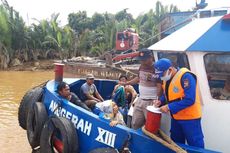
(4, 58)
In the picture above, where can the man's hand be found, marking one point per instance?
(156, 103)
(122, 83)
(164, 109)
(113, 123)
(98, 100)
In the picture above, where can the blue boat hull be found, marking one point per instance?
(94, 131)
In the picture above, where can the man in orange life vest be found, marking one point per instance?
(180, 98)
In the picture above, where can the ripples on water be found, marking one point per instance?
(13, 85)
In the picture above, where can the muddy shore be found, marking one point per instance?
(41, 65)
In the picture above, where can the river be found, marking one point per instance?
(13, 85)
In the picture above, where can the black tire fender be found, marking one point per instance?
(31, 96)
(63, 127)
(104, 150)
(36, 119)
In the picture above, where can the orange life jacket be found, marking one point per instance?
(176, 91)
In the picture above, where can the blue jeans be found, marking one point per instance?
(189, 130)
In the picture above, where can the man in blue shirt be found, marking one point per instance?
(180, 98)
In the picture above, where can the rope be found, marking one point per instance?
(164, 140)
(125, 146)
(41, 85)
(173, 26)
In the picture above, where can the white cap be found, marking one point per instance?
(154, 109)
(89, 76)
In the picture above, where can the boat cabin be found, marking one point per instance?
(203, 47)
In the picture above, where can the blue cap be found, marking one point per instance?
(161, 66)
(144, 54)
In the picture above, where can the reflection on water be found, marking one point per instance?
(13, 86)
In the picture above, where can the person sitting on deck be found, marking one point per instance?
(110, 111)
(89, 93)
(64, 91)
(222, 93)
(124, 96)
(121, 93)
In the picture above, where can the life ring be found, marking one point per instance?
(59, 134)
(36, 119)
(122, 45)
(104, 150)
(31, 96)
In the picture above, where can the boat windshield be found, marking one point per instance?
(179, 60)
(218, 72)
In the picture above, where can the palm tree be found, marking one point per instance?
(5, 38)
(83, 35)
(148, 23)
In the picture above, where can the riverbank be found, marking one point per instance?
(44, 65)
(79, 67)
(40, 65)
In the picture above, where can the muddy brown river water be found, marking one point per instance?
(13, 86)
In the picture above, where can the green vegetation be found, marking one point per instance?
(82, 35)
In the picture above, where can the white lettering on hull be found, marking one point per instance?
(106, 137)
(83, 126)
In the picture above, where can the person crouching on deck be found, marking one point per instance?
(111, 111)
(124, 96)
(180, 91)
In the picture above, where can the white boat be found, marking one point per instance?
(203, 46)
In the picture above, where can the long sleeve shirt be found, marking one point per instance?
(188, 83)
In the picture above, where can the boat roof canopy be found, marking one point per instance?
(203, 34)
